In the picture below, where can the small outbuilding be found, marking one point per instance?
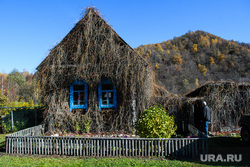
(227, 101)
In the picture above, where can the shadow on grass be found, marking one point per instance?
(225, 151)
(2, 146)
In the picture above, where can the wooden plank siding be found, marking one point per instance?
(104, 146)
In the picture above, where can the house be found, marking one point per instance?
(93, 72)
(227, 101)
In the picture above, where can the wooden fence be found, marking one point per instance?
(101, 147)
(196, 132)
(33, 131)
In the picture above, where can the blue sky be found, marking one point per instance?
(29, 28)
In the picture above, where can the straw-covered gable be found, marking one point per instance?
(227, 100)
(93, 51)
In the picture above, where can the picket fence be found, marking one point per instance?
(26, 143)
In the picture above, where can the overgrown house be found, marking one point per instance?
(93, 72)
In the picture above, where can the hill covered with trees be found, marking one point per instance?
(185, 62)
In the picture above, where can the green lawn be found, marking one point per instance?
(23, 160)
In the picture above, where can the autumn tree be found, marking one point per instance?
(202, 69)
(194, 48)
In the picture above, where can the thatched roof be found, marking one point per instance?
(76, 29)
(198, 92)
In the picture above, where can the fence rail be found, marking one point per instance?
(101, 147)
(33, 131)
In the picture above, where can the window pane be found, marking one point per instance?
(75, 96)
(104, 97)
(111, 97)
(78, 87)
(107, 86)
(111, 101)
(82, 96)
(82, 102)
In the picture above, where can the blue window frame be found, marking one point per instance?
(107, 95)
(78, 95)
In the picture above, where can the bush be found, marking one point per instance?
(7, 128)
(156, 123)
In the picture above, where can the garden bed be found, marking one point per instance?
(119, 134)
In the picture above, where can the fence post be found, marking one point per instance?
(35, 117)
(12, 121)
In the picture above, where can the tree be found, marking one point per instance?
(202, 69)
(3, 100)
(211, 60)
(196, 82)
(194, 48)
(158, 48)
(177, 59)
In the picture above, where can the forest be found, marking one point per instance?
(186, 62)
(19, 89)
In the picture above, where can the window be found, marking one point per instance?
(78, 95)
(107, 95)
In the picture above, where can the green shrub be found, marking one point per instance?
(156, 123)
(86, 121)
(7, 128)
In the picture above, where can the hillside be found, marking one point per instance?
(185, 62)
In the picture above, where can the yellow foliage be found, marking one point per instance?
(214, 41)
(196, 82)
(156, 66)
(194, 48)
(149, 51)
(202, 69)
(204, 41)
(211, 60)
(221, 57)
(140, 51)
(158, 47)
(168, 43)
(168, 51)
(177, 59)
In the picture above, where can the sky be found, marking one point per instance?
(30, 28)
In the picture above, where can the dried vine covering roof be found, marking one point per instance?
(227, 100)
(92, 51)
(71, 37)
(200, 91)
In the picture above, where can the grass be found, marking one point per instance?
(24, 160)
